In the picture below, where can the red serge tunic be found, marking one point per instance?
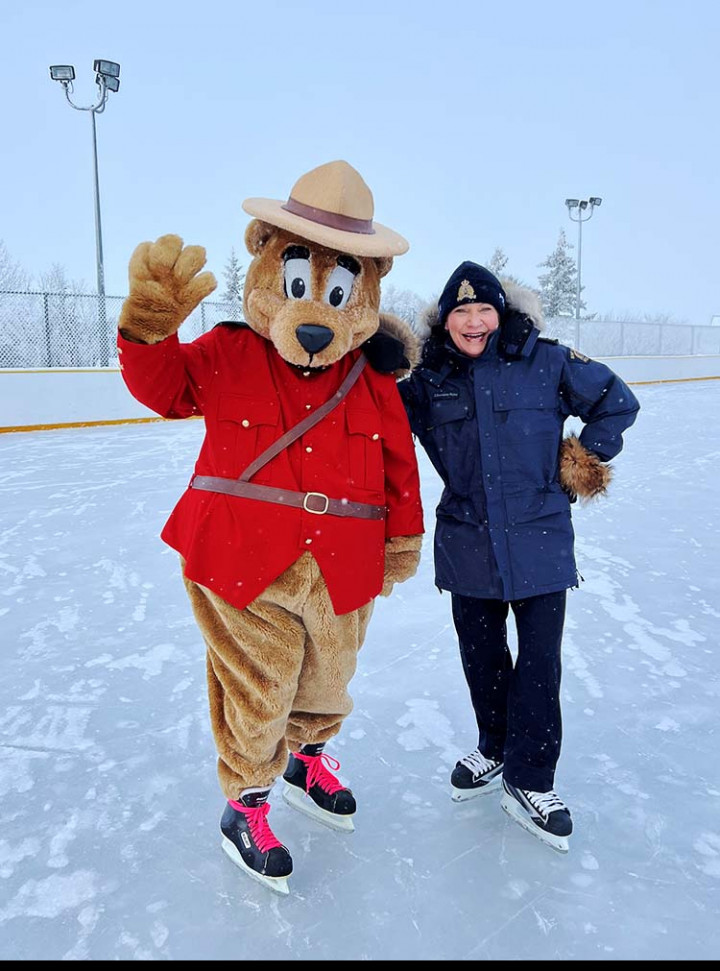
(249, 396)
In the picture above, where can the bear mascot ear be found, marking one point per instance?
(384, 265)
(257, 234)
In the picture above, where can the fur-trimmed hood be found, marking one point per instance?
(394, 348)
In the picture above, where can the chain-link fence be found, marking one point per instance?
(40, 329)
(606, 338)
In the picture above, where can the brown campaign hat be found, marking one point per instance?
(333, 206)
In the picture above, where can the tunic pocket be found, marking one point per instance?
(246, 427)
(365, 449)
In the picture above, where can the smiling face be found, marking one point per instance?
(470, 325)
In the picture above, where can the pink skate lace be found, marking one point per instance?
(259, 827)
(317, 774)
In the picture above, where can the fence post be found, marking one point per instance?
(46, 318)
(103, 328)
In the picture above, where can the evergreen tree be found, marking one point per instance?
(497, 262)
(234, 280)
(558, 287)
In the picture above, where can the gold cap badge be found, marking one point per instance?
(465, 291)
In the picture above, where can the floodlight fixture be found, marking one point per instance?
(108, 69)
(112, 84)
(62, 72)
(583, 214)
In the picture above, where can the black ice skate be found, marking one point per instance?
(315, 791)
(251, 844)
(543, 814)
(473, 775)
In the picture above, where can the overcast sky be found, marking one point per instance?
(470, 121)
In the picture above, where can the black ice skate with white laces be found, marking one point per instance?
(315, 791)
(543, 814)
(251, 844)
(473, 775)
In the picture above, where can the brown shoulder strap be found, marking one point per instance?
(297, 430)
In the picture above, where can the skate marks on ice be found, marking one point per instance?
(604, 594)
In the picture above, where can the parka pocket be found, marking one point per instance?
(449, 408)
(531, 506)
(246, 427)
(527, 411)
(529, 426)
(365, 449)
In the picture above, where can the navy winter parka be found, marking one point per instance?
(492, 427)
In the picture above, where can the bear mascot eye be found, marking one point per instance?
(339, 287)
(297, 279)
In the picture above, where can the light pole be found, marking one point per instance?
(107, 78)
(583, 206)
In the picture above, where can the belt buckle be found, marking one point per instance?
(316, 512)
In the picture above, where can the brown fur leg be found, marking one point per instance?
(254, 658)
(332, 643)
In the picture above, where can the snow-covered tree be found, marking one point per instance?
(76, 328)
(405, 304)
(558, 287)
(12, 275)
(234, 279)
(497, 262)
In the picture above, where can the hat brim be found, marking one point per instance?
(382, 242)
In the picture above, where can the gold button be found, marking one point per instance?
(308, 407)
(245, 423)
(375, 437)
(308, 542)
(308, 448)
(306, 374)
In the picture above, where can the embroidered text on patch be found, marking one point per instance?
(465, 291)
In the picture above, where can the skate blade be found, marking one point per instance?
(558, 843)
(462, 795)
(303, 803)
(277, 884)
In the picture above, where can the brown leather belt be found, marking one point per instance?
(314, 502)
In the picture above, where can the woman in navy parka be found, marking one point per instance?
(488, 402)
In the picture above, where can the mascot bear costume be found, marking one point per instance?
(305, 499)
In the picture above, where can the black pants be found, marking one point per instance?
(517, 707)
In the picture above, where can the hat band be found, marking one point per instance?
(333, 220)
